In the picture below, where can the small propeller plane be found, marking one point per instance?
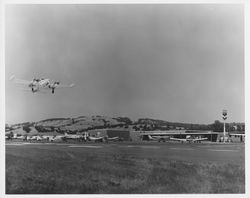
(95, 139)
(189, 139)
(74, 137)
(37, 84)
(159, 138)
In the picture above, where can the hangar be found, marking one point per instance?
(121, 133)
(128, 135)
(211, 136)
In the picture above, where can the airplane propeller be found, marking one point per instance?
(54, 85)
(36, 79)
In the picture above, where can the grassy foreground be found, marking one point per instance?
(68, 172)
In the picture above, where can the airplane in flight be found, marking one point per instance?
(189, 139)
(38, 84)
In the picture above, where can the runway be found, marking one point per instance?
(233, 153)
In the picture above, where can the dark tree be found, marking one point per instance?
(217, 126)
(26, 128)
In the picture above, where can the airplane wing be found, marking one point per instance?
(200, 139)
(41, 91)
(99, 138)
(95, 138)
(113, 138)
(177, 139)
(19, 81)
(65, 86)
(151, 138)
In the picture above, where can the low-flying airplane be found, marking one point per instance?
(159, 138)
(189, 139)
(37, 84)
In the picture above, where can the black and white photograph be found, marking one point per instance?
(124, 99)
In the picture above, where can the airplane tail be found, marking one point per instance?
(150, 137)
(85, 136)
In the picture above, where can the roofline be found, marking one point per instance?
(180, 133)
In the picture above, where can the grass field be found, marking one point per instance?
(72, 171)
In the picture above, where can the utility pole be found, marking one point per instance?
(224, 116)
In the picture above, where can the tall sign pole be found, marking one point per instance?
(224, 116)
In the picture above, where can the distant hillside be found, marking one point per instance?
(71, 125)
(85, 123)
(154, 124)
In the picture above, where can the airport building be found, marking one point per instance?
(128, 135)
(182, 134)
(121, 133)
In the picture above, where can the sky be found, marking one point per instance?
(182, 63)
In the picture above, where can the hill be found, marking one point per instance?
(84, 123)
(70, 125)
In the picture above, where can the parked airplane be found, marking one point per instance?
(47, 137)
(58, 137)
(9, 136)
(35, 137)
(21, 137)
(40, 83)
(73, 136)
(95, 139)
(189, 139)
(159, 138)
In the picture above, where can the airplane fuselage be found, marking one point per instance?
(37, 84)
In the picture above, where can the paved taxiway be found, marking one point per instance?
(233, 153)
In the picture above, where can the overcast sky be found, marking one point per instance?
(180, 63)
